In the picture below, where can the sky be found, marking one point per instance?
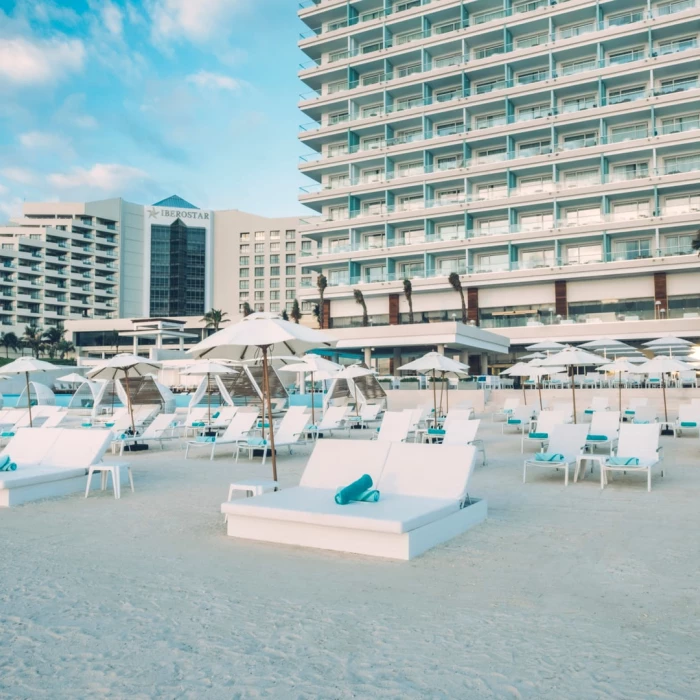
(147, 98)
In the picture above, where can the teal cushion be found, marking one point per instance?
(688, 424)
(198, 424)
(7, 433)
(596, 438)
(539, 436)
(589, 411)
(257, 441)
(549, 457)
(623, 461)
(436, 431)
(216, 415)
(514, 421)
(206, 438)
(4, 459)
(630, 412)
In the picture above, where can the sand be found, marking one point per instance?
(562, 593)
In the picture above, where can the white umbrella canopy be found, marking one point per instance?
(261, 333)
(608, 346)
(72, 378)
(573, 357)
(353, 372)
(534, 356)
(436, 362)
(532, 371)
(669, 345)
(619, 365)
(663, 365)
(546, 346)
(208, 368)
(125, 365)
(25, 366)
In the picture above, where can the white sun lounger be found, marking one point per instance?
(333, 419)
(509, 405)
(603, 430)
(633, 406)
(463, 432)
(598, 403)
(287, 434)
(239, 429)
(423, 501)
(640, 442)
(395, 426)
(688, 420)
(369, 413)
(520, 419)
(51, 462)
(545, 421)
(567, 441)
(162, 428)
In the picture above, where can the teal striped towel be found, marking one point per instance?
(369, 496)
(206, 438)
(623, 461)
(548, 457)
(216, 415)
(688, 424)
(7, 433)
(6, 464)
(353, 491)
(256, 441)
(538, 436)
(436, 431)
(198, 424)
(597, 438)
(630, 411)
(514, 421)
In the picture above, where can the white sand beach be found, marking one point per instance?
(562, 593)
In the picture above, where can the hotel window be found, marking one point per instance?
(243, 295)
(244, 260)
(259, 247)
(526, 42)
(274, 270)
(259, 296)
(408, 37)
(683, 204)
(290, 283)
(260, 235)
(274, 306)
(338, 245)
(274, 295)
(532, 76)
(245, 236)
(679, 245)
(290, 294)
(274, 247)
(682, 164)
(274, 283)
(372, 240)
(534, 112)
(674, 45)
(582, 140)
(290, 258)
(336, 149)
(306, 245)
(305, 282)
(372, 143)
(338, 213)
(337, 181)
(374, 273)
(338, 117)
(489, 86)
(492, 190)
(626, 56)
(445, 27)
(630, 171)
(447, 94)
(576, 104)
(290, 270)
(491, 155)
(408, 135)
(582, 254)
(534, 148)
(274, 259)
(259, 259)
(532, 185)
(492, 262)
(445, 266)
(628, 132)
(412, 168)
(410, 202)
(373, 78)
(679, 84)
(581, 178)
(409, 270)
(259, 307)
(370, 175)
(486, 121)
(577, 29)
(578, 66)
(337, 277)
(449, 128)
(530, 259)
(290, 246)
(632, 249)
(529, 6)
(259, 271)
(244, 272)
(244, 247)
(243, 284)
(410, 236)
(450, 196)
(451, 162)
(274, 235)
(450, 231)
(408, 103)
(628, 17)
(372, 111)
(336, 86)
(405, 5)
(410, 69)
(373, 208)
(491, 227)
(486, 51)
(628, 94)
(675, 125)
(537, 221)
(371, 46)
(487, 16)
(624, 211)
(452, 59)
(582, 216)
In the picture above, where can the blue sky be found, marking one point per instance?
(147, 98)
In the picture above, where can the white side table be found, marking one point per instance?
(105, 470)
(589, 457)
(251, 487)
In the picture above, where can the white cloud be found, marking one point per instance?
(10, 208)
(198, 21)
(113, 19)
(26, 61)
(205, 79)
(41, 139)
(107, 177)
(85, 121)
(3, 190)
(21, 175)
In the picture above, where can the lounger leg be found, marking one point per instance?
(187, 450)
(104, 480)
(649, 480)
(238, 451)
(524, 471)
(89, 479)
(131, 479)
(116, 479)
(566, 474)
(264, 457)
(213, 448)
(602, 476)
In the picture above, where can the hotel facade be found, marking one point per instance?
(546, 152)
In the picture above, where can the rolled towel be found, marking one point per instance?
(369, 496)
(623, 461)
(216, 415)
(352, 491)
(198, 424)
(256, 441)
(588, 411)
(109, 425)
(538, 436)
(549, 457)
(206, 438)
(7, 433)
(4, 459)
(688, 424)
(436, 431)
(596, 438)
(89, 425)
(514, 421)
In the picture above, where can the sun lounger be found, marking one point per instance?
(463, 432)
(603, 430)
(519, 420)
(369, 413)
(566, 443)
(509, 405)
(638, 450)
(332, 419)
(51, 462)
(598, 403)
(645, 414)
(289, 433)
(688, 420)
(162, 428)
(545, 421)
(395, 426)
(633, 406)
(239, 429)
(423, 500)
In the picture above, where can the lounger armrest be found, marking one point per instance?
(660, 451)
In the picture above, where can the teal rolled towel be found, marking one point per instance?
(589, 411)
(436, 431)
(514, 421)
(216, 415)
(688, 424)
(4, 459)
(538, 436)
(89, 425)
(352, 491)
(205, 438)
(623, 461)
(548, 457)
(9, 467)
(257, 441)
(198, 424)
(7, 433)
(596, 438)
(369, 496)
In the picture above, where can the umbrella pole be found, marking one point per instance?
(539, 391)
(573, 389)
(313, 395)
(29, 400)
(435, 413)
(266, 383)
(619, 392)
(209, 399)
(128, 399)
(447, 394)
(442, 390)
(524, 394)
(663, 389)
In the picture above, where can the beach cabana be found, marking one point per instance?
(40, 394)
(85, 395)
(363, 389)
(143, 391)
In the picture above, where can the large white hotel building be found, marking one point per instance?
(548, 152)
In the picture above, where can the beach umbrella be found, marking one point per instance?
(354, 372)
(573, 357)
(546, 346)
(620, 365)
(534, 356)
(663, 365)
(127, 366)
(208, 368)
(609, 346)
(312, 364)
(669, 344)
(26, 366)
(261, 333)
(532, 371)
(436, 362)
(72, 378)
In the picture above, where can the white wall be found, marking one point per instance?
(688, 283)
(610, 288)
(508, 296)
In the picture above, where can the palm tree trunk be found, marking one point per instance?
(464, 306)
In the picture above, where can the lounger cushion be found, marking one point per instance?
(335, 463)
(29, 476)
(393, 513)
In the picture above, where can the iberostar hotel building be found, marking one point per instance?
(547, 152)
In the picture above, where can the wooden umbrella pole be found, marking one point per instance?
(313, 396)
(435, 414)
(573, 389)
(29, 400)
(357, 405)
(447, 393)
(128, 400)
(263, 405)
(442, 390)
(663, 389)
(619, 392)
(539, 390)
(266, 382)
(209, 400)
(522, 379)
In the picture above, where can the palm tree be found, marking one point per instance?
(316, 313)
(696, 243)
(10, 342)
(321, 283)
(33, 338)
(64, 347)
(360, 299)
(408, 293)
(214, 318)
(456, 283)
(285, 315)
(296, 311)
(112, 339)
(246, 309)
(52, 337)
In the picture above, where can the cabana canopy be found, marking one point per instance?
(143, 390)
(41, 395)
(85, 395)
